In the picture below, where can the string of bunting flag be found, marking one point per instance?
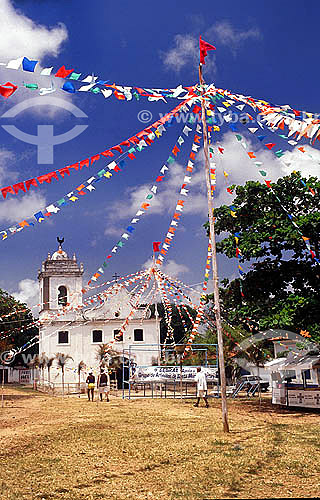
(263, 173)
(167, 312)
(200, 310)
(259, 164)
(279, 153)
(136, 143)
(145, 204)
(180, 307)
(295, 120)
(127, 280)
(183, 193)
(92, 83)
(134, 307)
(81, 190)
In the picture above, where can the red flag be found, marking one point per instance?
(31, 182)
(95, 158)
(47, 177)
(270, 145)
(107, 152)
(85, 162)
(204, 47)
(17, 187)
(7, 89)
(7, 190)
(63, 171)
(63, 72)
(156, 246)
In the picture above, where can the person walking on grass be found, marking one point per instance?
(201, 382)
(90, 385)
(103, 384)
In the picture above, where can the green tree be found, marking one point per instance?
(15, 319)
(176, 323)
(280, 288)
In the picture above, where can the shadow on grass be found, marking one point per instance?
(15, 397)
(267, 407)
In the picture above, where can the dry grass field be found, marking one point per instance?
(154, 449)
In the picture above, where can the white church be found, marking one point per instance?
(69, 329)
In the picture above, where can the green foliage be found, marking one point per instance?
(281, 288)
(12, 328)
(176, 323)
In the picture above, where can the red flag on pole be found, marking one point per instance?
(204, 47)
(156, 246)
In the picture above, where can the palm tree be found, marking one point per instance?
(81, 366)
(101, 351)
(42, 362)
(49, 366)
(62, 360)
(34, 363)
(114, 357)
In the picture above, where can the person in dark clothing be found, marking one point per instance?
(103, 384)
(90, 384)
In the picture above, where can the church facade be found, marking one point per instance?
(68, 328)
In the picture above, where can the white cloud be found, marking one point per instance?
(296, 160)
(234, 161)
(185, 49)
(240, 168)
(28, 292)
(170, 267)
(164, 202)
(6, 161)
(20, 35)
(233, 38)
(185, 52)
(21, 207)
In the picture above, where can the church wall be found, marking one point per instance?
(82, 348)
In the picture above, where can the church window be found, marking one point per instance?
(97, 336)
(115, 333)
(138, 335)
(63, 337)
(62, 296)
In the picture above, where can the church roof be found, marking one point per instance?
(59, 263)
(60, 254)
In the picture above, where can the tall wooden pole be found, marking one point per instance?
(214, 265)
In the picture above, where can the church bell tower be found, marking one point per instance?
(60, 282)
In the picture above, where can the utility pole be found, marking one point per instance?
(214, 262)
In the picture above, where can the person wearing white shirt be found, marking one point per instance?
(201, 382)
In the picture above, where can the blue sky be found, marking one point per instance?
(264, 49)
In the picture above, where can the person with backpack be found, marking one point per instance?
(90, 385)
(103, 384)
